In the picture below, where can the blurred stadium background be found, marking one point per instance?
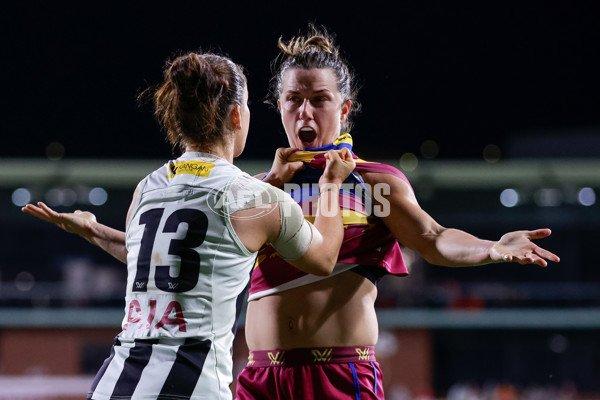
(486, 328)
(491, 111)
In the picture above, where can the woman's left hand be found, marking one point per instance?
(518, 247)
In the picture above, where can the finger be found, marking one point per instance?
(27, 207)
(541, 262)
(46, 208)
(285, 152)
(347, 157)
(37, 212)
(296, 165)
(31, 210)
(539, 233)
(345, 154)
(333, 155)
(533, 259)
(281, 154)
(546, 254)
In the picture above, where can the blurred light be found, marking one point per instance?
(24, 281)
(53, 197)
(492, 153)
(41, 301)
(83, 194)
(429, 149)
(98, 196)
(548, 197)
(558, 344)
(55, 151)
(509, 197)
(21, 197)
(586, 196)
(68, 197)
(409, 162)
(61, 197)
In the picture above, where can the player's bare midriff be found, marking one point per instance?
(336, 311)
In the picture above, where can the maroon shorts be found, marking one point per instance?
(313, 373)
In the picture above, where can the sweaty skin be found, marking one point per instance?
(337, 311)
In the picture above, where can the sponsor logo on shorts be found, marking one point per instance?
(276, 358)
(322, 356)
(363, 354)
(251, 359)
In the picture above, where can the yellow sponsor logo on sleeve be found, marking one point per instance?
(198, 168)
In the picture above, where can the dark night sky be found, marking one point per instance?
(463, 74)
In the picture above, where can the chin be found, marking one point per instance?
(236, 154)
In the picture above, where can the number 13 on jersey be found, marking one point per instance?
(192, 224)
(189, 268)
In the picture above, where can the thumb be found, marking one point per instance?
(539, 233)
(332, 155)
(295, 165)
(285, 152)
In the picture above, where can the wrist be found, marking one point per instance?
(90, 233)
(493, 255)
(328, 186)
(272, 180)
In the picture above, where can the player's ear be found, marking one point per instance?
(346, 107)
(235, 117)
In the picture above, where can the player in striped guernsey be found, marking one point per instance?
(193, 231)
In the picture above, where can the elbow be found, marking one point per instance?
(436, 262)
(326, 267)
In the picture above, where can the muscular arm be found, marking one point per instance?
(439, 245)
(256, 227)
(328, 228)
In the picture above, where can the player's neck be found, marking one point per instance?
(223, 150)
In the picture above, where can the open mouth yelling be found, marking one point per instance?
(307, 136)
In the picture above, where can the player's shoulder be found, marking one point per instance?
(376, 172)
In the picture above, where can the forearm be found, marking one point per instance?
(456, 248)
(261, 176)
(271, 178)
(108, 239)
(329, 221)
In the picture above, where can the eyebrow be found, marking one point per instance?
(320, 91)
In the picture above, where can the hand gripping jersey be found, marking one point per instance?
(186, 270)
(367, 241)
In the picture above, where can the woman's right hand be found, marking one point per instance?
(78, 222)
(338, 166)
(283, 170)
